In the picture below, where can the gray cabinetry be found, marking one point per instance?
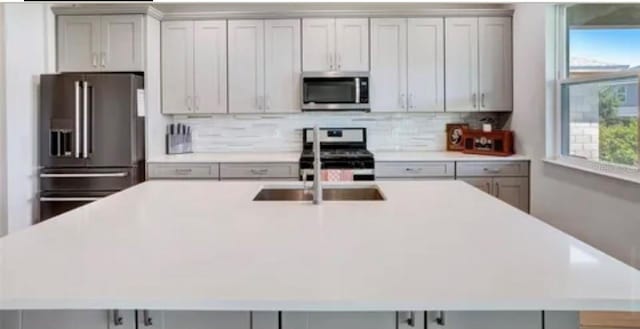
(77, 319)
(484, 320)
(100, 43)
(183, 170)
(277, 171)
(414, 170)
(508, 181)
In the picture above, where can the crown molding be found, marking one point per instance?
(94, 9)
(128, 9)
(266, 14)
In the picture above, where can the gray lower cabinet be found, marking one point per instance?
(508, 181)
(207, 320)
(273, 171)
(352, 320)
(484, 320)
(182, 170)
(415, 170)
(77, 319)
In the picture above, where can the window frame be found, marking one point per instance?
(560, 150)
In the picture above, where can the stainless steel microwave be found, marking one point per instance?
(335, 91)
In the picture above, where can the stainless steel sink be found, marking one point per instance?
(365, 193)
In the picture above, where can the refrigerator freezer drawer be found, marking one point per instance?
(55, 203)
(77, 179)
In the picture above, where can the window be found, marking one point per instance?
(599, 92)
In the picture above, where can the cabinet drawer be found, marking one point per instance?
(414, 169)
(182, 170)
(610, 319)
(258, 170)
(496, 168)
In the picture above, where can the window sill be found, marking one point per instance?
(610, 171)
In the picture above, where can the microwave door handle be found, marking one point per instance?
(85, 119)
(357, 91)
(77, 119)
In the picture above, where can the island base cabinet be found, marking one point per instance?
(77, 319)
(338, 320)
(485, 320)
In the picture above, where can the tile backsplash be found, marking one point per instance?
(283, 132)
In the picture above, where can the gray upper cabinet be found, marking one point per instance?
(496, 81)
(78, 43)
(340, 44)
(194, 67)
(109, 43)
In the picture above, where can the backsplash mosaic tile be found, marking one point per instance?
(283, 132)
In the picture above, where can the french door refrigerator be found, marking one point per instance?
(91, 138)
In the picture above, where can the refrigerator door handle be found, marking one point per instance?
(85, 119)
(85, 175)
(69, 199)
(77, 119)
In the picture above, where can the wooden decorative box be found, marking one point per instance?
(497, 142)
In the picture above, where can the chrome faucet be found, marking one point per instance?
(317, 164)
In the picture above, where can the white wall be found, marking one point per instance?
(601, 211)
(27, 40)
(3, 184)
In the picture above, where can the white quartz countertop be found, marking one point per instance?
(206, 245)
(263, 157)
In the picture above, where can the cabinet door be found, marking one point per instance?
(483, 183)
(388, 64)
(512, 190)
(495, 64)
(318, 44)
(210, 68)
(352, 44)
(282, 65)
(121, 43)
(486, 320)
(75, 319)
(177, 67)
(461, 64)
(206, 320)
(246, 66)
(338, 320)
(78, 43)
(425, 57)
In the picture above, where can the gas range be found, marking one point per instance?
(341, 148)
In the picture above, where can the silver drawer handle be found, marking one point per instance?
(87, 175)
(69, 199)
(413, 169)
(493, 171)
(185, 171)
(411, 320)
(259, 171)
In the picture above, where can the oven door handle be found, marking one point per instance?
(87, 175)
(69, 199)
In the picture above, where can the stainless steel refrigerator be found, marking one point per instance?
(91, 138)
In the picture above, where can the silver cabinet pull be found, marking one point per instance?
(411, 320)
(410, 100)
(117, 318)
(330, 57)
(103, 59)
(267, 102)
(339, 61)
(146, 318)
(85, 119)
(482, 100)
(188, 101)
(262, 171)
(474, 100)
(497, 189)
(183, 171)
(85, 175)
(69, 199)
(488, 187)
(196, 102)
(491, 171)
(413, 169)
(77, 119)
(440, 320)
(94, 59)
(402, 102)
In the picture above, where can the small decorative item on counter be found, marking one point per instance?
(497, 142)
(454, 136)
(179, 139)
(487, 124)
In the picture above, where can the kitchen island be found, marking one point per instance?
(206, 245)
